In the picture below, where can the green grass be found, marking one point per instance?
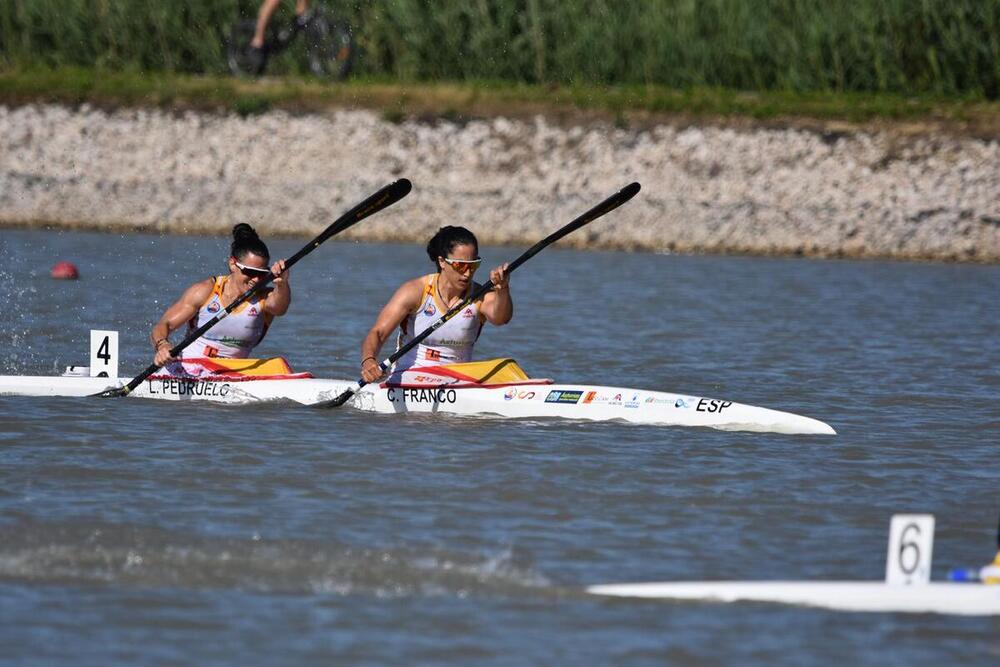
(908, 47)
(621, 105)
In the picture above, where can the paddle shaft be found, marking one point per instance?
(606, 206)
(382, 199)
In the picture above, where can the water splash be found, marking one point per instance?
(122, 555)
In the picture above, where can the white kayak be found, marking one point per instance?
(907, 587)
(419, 391)
(861, 596)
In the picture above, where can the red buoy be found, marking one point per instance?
(64, 271)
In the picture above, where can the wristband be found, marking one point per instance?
(367, 358)
(156, 345)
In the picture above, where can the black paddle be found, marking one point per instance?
(382, 199)
(606, 206)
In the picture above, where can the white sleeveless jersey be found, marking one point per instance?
(450, 344)
(236, 334)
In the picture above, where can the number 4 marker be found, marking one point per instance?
(103, 353)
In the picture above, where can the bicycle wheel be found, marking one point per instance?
(241, 62)
(329, 48)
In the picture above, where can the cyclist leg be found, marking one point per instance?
(267, 9)
(302, 13)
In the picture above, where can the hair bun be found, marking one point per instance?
(245, 240)
(244, 231)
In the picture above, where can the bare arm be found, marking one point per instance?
(280, 297)
(403, 302)
(497, 306)
(175, 316)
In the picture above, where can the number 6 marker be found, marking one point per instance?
(911, 543)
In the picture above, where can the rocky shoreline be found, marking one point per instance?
(705, 189)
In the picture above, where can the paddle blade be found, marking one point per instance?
(118, 392)
(606, 206)
(335, 402)
(384, 198)
(111, 393)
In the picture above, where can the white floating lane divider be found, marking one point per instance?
(907, 588)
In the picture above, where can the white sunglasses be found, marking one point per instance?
(463, 265)
(251, 271)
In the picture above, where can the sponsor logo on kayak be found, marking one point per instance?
(181, 387)
(439, 395)
(559, 396)
(429, 379)
(594, 397)
(213, 307)
(614, 400)
(682, 403)
(679, 403)
(712, 405)
(511, 394)
(633, 402)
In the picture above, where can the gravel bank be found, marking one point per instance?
(760, 191)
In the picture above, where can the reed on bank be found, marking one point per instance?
(887, 46)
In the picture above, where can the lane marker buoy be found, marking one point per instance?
(64, 271)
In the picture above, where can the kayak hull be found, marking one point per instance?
(856, 596)
(522, 400)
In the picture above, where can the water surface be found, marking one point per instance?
(150, 533)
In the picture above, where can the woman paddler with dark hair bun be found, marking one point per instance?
(420, 302)
(238, 333)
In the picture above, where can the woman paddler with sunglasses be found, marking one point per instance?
(420, 302)
(238, 333)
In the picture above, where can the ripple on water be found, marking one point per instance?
(378, 534)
